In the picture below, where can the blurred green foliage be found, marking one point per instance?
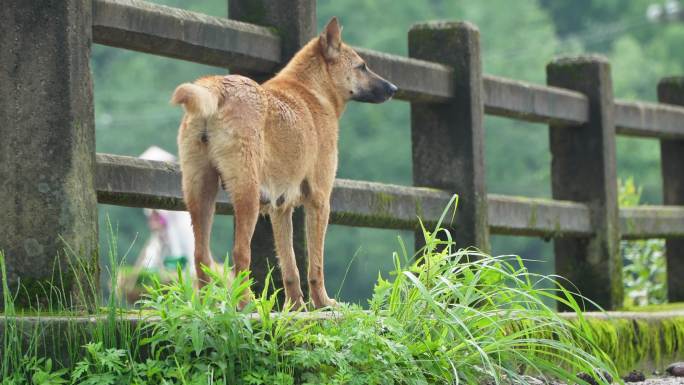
(644, 270)
(132, 111)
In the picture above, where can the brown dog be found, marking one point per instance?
(274, 147)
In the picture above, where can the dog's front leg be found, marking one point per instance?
(317, 214)
(281, 220)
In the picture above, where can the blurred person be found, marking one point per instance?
(169, 245)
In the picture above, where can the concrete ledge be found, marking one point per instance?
(356, 203)
(649, 120)
(134, 182)
(652, 222)
(538, 217)
(534, 103)
(635, 340)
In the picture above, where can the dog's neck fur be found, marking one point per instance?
(305, 68)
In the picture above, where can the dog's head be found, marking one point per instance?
(348, 71)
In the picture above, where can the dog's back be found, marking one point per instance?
(274, 124)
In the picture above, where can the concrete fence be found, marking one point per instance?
(51, 178)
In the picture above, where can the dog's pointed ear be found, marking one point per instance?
(331, 39)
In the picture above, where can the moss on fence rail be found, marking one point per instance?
(641, 343)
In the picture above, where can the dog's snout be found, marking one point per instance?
(379, 91)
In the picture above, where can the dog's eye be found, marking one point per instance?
(362, 67)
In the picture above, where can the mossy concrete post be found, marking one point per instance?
(47, 148)
(448, 138)
(583, 169)
(671, 91)
(295, 23)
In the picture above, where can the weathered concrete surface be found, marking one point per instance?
(534, 103)
(295, 23)
(538, 217)
(127, 181)
(181, 34)
(47, 150)
(652, 222)
(649, 120)
(671, 90)
(134, 182)
(583, 169)
(448, 138)
(356, 203)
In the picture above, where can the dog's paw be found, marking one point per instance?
(295, 304)
(328, 303)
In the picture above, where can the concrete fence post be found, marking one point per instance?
(671, 91)
(583, 169)
(295, 21)
(448, 138)
(47, 150)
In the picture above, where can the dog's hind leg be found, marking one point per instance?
(238, 175)
(281, 220)
(200, 185)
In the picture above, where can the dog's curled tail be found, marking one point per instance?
(195, 99)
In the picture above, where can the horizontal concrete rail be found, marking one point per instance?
(534, 103)
(128, 181)
(537, 217)
(134, 182)
(369, 204)
(649, 120)
(652, 222)
(181, 34)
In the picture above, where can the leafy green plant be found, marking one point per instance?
(449, 316)
(35, 371)
(644, 271)
(102, 366)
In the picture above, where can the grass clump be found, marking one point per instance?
(447, 317)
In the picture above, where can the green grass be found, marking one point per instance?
(446, 317)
